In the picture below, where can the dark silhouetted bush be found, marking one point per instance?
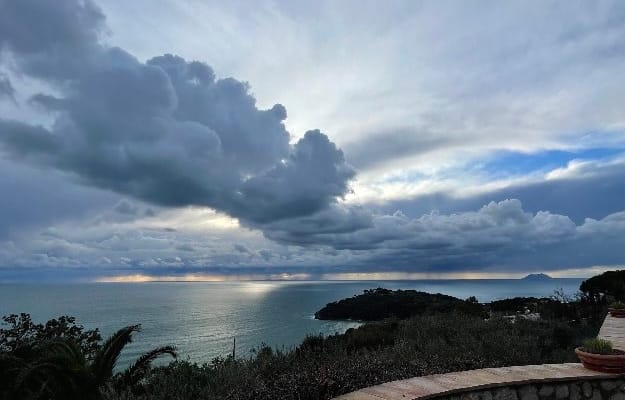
(607, 286)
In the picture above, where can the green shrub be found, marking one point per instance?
(598, 346)
(20, 332)
(617, 305)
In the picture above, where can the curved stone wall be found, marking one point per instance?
(586, 389)
(523, 382)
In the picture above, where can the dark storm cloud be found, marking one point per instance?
(241, 249)
(166, 131)
(500, 236)
(494, 225)
(381, 147)
(334, 221)
(31, 197)
(6, 88)
(313, 175)
(51, 39)
(126, 208)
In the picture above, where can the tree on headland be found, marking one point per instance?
(607, 286)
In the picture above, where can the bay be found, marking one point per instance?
(202, 318)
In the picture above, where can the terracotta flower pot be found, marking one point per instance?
(617, 312)
(612, 363)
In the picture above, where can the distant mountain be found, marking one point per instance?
(537, 277)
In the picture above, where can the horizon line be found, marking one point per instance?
(68, 276)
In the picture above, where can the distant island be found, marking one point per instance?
(536, 277)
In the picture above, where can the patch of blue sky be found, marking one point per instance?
(509, 163)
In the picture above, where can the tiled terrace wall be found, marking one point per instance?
(587, 389)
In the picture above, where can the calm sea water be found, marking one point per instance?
(202, 319)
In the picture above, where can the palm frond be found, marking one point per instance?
(10, 368)
(137, 371)
(37, 377)
(64, 352)
(105, 360)
(9, 362)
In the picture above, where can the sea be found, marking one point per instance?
(204, 319)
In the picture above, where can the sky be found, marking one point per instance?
(209, 140)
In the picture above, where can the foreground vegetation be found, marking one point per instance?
(61, 360)
(320, 368)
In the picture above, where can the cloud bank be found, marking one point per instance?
(146, 149)
(165, 131)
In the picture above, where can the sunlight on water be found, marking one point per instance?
(257, 288)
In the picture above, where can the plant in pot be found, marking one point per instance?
(617, 309)
(599, 355)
